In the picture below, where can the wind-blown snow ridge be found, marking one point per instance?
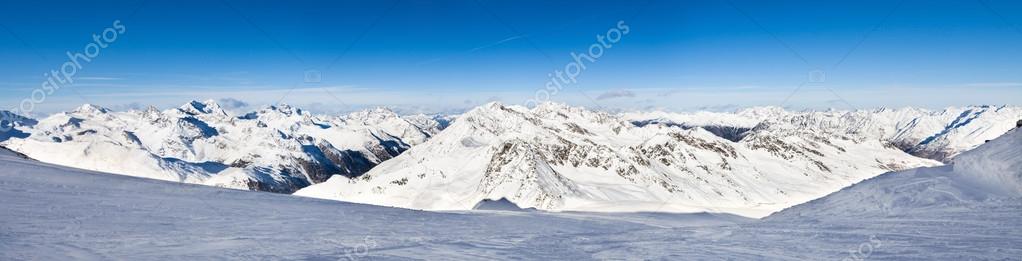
(997, 164)
(987, 179)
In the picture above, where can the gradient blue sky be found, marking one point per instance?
(449, 55)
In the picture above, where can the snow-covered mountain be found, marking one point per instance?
(938, 135)
(277, 148)
(556, 157)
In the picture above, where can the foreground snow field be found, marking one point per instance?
(949, 213)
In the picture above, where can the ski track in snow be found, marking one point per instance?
(59, 213)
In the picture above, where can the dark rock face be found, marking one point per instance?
(12, 133)
(730, 133)
(289, 183)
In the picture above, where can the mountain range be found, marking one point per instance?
(277, 148)
(965, 210)
(752, 162)
(556, 157)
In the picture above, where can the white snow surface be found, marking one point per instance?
(989, 174)
(938, 213)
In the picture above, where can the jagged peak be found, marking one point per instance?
(151, 112)
(91, 109)
(379, 112)
(545, 110)
(552, 106)
(493, 105)
(285, 109)
(763, 110)
(381, 109)
(489, 109)
(207, 107)
(193, 104)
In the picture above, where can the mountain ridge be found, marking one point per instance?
(277, 148)
(754, 161)
(563, 158)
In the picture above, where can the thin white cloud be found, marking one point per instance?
(232, 103)
(512, 38)
(99, 78)
(496, 43)
(995, 84)
(616, 94)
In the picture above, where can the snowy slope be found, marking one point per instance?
(277, 148)
(58, 213)
(996, 165)
(988, 177)
(562, 158)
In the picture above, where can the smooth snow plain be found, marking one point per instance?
(963, 211)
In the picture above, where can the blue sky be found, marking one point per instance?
(448, 55)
